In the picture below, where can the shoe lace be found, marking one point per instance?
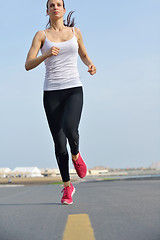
(65, 192)
(77, 164)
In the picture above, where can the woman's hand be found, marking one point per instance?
(53, 51)
(91, 69)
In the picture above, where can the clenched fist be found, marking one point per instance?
(91, 69)
(53, 51)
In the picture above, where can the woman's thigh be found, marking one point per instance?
(54, 112)
(72, 110)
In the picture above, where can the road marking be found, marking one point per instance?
(78, 227)
(4, 185)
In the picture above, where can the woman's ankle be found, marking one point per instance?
(67, 184)
(75, 157)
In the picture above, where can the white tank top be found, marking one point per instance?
(61, 70)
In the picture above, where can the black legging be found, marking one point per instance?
(63, 110)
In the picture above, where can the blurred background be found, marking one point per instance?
(120, 124)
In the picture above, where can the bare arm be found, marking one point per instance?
(83, 53)
(32, 60)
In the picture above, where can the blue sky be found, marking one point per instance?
(120, 125)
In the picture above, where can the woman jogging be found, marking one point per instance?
(60, 45)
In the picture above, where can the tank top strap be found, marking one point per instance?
(73, 30)
(45, 33)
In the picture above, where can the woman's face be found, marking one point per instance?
(55, 9)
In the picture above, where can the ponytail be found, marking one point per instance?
(69, 22)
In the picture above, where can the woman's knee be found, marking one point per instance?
(60, 144)
(71, 134)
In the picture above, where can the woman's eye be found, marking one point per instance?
(52, 5)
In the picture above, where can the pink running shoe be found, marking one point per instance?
(80, 167)
(67, 195)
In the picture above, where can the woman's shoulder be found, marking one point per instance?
(77, 30)
(39, 37)
(40, 33)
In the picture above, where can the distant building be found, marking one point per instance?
(98, 171)
(4, 172)
(155, 165)
(27, 171)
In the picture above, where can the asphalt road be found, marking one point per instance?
(118, 210)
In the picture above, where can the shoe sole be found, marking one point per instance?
(81, 176)
(66, 203)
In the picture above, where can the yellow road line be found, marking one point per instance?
(78, 227)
